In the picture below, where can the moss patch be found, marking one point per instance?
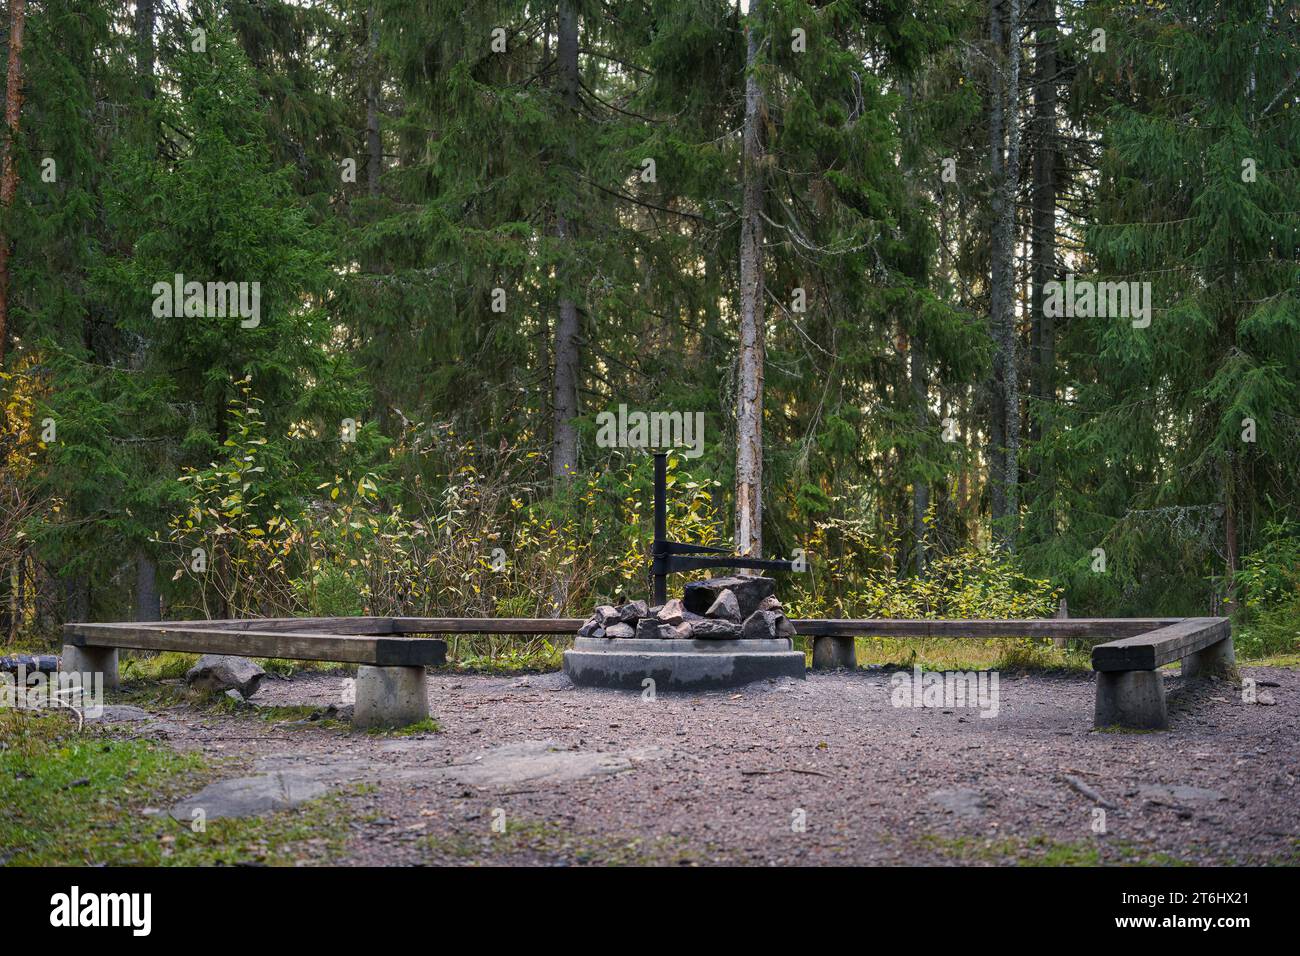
(69, 798)
(1043, 851)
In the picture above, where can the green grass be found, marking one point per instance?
(172, 665)
(426, 726)
(69, 798)
(955, 654)
(1042, 851)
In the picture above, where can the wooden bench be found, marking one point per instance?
(1130, 688)
(391, 682)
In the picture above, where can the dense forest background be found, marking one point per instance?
(830, 227)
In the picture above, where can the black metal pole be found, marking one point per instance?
(660, 548)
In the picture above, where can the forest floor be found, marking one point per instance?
(819, 771)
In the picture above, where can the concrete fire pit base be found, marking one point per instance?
(679, 665)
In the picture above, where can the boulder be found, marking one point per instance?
(219, 673)
(749, 592)
(711, 629)
(632, 611)
(620, 630)
(672, 613)
(761, 625)
(725, 608)
(647, 629)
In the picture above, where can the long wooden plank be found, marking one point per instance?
(980, 629)
(1161, 646)
(487, 625)
(315, 625)
(350, 649)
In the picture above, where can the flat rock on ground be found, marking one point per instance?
(717, 777)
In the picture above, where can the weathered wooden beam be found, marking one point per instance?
(1097, 627)
(1162, 645)
(487, 625)
(381, 651)
(322, 625)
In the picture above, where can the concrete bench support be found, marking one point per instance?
(390, 697)
(830, 653)
(1217, 660)
(91, 660)
(1133, 699)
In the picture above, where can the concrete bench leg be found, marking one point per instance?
(830, 653)
(91, 660)
(1133, 699)
(1217, 660)
(390, 697)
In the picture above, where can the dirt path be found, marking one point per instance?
(584, 776)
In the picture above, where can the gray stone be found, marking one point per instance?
(250, 796)
(219, 673)
(589, 628)
(749, 591)
(632, 611)
(832, 653)
(390, 697)
(725, 608)
(960, 801)
(598, 632)
(620, 630)
(784, 626)
(761, 625)
(708, 629)
(770, 603)
(1178, 793)
(1134, 699)
(1217, 660)
(672, 612)
(606, 615)
(647, 628)
(679, 665)
(677, 632)
(91, 660)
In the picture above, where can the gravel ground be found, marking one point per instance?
(822, 771)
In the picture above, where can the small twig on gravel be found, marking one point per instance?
(1088, 791)
(757, 773)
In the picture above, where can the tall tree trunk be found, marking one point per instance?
(374, 146)
(9, 156)
(564, 448)
(1230, 543)
(920, 490)
(144, 48)
(1043, 211)
(749, 383)
(1005, 395)
(148, 605)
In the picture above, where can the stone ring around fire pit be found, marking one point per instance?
(722, 633)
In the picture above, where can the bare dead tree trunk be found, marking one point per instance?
(8, 159)
(920, 490)
(749, 385)
(374, 146)
(148, 605)
(1043, 211)
(1004, 413)
(564, 448)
